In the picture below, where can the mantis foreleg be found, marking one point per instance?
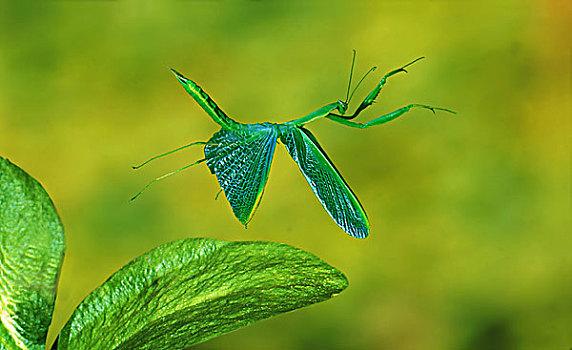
(320, 113)
(375, 92)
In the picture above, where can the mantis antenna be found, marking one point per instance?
(348, 96)
(351, 73)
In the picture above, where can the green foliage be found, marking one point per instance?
(179, 294)
(186, 292)
(31, 252)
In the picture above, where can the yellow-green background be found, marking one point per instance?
(470, 214)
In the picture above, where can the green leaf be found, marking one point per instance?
(185, 292)
(31, 252)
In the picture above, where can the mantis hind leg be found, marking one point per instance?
(173, 151)
(386, 117)
(167, 175)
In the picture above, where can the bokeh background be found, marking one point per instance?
(470, 214)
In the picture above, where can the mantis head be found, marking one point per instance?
(342, 107)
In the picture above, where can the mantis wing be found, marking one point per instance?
(326, 182)
(241, 162)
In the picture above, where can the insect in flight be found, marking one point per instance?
(239, 155)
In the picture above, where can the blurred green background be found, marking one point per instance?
(470, 214)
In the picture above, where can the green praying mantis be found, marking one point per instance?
(239, 155)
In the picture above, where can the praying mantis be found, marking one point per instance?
(240, 155)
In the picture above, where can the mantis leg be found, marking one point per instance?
(320, 113)
(375, 92)
(386, 117)
(166, 175)
(173, 151)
